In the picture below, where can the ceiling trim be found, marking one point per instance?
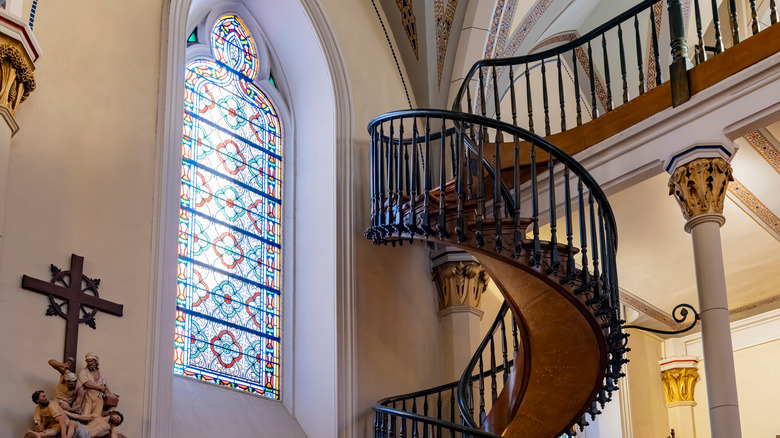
(757, 210)
(766, 145)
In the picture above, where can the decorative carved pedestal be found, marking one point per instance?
(460, 282)
(18, 53)
(699, 186)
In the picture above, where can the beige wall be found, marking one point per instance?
(758, 386)
(647, 399)
(81, 180)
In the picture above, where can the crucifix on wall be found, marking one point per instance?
(78, 294)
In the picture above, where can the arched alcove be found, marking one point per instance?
(317, 316)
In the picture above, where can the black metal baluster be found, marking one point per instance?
(415, 433)
(656, 53)
(452, 154)
(716, 24)
(481, 392)
(561, 96)
(585, 275)
(623, 73)
(472, 137)
(754, 17)
(411, 222)
(374, 173)
(426, 216)
(640, 64)
(480, 187)
(603, 249)
(407, 171)
(390, 175)
(594, 248)
(402, 433)
(772, 11)
(545, 100)
(512, 94)
(376, 424)
(701, 53)
(496, 102)
(528, 96)
(515, 343)
(452, 405)
(460, 231)
(555, 262)
(497, 177)
(438, 414)
(482, 138)
(593, 102)
(607, 80)
(504, 355)
(569, 229)
(733, 15)
(577, 96)
(399, 223)
(442, 223)
(392, 426)
(536, 256)
(493, 383)
(516, 170)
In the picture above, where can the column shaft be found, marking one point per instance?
(716, 331)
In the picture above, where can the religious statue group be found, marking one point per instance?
(82, 406)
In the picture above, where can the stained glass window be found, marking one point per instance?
(228, 301)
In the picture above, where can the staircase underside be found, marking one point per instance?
(561, 362)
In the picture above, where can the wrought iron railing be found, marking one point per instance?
(407, 205)
(587, 73)
(435, 412)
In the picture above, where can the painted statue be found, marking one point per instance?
(95, 386)
(48, 420)
(69, 394)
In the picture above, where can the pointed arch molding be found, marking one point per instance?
(303, 21)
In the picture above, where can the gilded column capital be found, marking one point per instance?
(700, 186)
(16, 76)
(679, 384)
(460, 284)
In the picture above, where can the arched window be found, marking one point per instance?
(228, 302)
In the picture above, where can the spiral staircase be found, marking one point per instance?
(534, 218)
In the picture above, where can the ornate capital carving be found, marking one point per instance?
(679, 383)
(16, 77)
(460, 284)
(700, 186)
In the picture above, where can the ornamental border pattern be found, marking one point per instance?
(444, 19)
(658, 10)
(506, 23)
(753, 206)
(409, 23)
(494, 28)
(762, 142)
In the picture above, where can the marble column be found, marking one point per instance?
(18, 53)
(460, 282)
(699, 186)
(679, 376)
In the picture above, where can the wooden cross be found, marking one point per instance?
(74, 296)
